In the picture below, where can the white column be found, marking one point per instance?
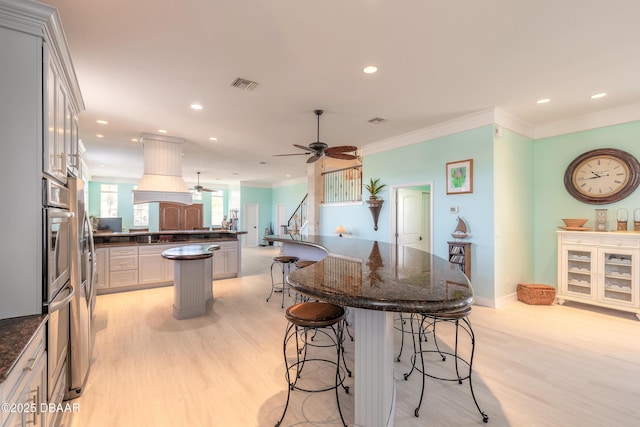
(374, 381)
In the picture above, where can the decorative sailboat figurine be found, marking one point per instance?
(461, 230)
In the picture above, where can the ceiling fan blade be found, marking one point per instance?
(341, 156)
(314, 158)
(293, 154)
(302, 147)
(341, 149)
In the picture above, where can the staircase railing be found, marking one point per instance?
(343, 185)
(299, 217)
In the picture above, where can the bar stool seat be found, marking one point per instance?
(304, 263)
(285, 262)
(313, 318)
(460, 320)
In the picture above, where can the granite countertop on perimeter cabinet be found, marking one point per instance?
(15, 335)
(102, 239)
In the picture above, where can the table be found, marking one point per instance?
(193, 278)
(376, 279)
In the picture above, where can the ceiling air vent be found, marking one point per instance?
(244, 84)
(377, 120)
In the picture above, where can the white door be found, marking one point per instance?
(412, 219)
(251, 224)
(281, 219)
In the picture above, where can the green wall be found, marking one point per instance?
(262, 197)
(125, 205)
(516, 206)
(426, 162)
(290, 196)
(552, 202)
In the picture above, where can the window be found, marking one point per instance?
(141, 215)
(108, 200)
(217, 208)
(196, 196)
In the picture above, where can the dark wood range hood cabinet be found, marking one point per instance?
(174, 216)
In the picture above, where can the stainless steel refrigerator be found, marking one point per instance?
(82, 308)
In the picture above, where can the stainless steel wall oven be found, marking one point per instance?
(57, 292)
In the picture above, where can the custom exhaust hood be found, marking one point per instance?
(162, 180)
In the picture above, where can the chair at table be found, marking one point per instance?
(460, 321)
(323, 322)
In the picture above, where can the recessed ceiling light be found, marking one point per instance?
(213, 138)
(543, 101)
(102, 122)
(162, 131)
(196, 107)
(134, 139)
(599, 95)
(287, 176)
(370, 69)
(99, 136)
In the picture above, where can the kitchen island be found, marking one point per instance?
(372, 279)
(193, 272)
(133, 260)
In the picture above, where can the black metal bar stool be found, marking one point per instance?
(284, 261)
(460, 320)
(308, 319)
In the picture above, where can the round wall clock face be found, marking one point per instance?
(602, 176)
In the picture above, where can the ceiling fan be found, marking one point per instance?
(319, 149)
(199, 188)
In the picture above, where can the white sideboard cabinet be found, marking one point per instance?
(600, 268)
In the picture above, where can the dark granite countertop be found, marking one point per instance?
(191, 252)
(15, 334)
(379, 276)
(143, 238)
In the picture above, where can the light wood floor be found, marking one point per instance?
(535, 365)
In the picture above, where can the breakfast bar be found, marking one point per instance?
(376, 282)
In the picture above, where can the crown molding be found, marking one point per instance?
(449, 127)
(616, 116)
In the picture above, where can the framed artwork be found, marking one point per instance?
(460, 177)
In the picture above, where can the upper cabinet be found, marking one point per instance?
(174, 216)
(60, 148)
(40, 95)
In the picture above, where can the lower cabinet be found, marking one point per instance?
(25, 390)
(152, 267)
(123, 266)
(102, 268)
(143, 265)
(599, 268)
(226, 260)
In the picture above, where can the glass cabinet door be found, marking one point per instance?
(580, 272)
(618, 276)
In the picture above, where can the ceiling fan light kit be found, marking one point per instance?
(319, 149)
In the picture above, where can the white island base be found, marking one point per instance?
(193, 279)
(192, 287)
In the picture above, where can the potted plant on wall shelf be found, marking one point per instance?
(374, 187)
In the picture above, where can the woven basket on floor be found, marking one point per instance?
(534, 294)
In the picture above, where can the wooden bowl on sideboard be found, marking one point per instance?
(574, 222)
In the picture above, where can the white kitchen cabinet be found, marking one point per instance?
(34, 56)
(600, 268)
(102, 268)
(226, 260)
(26, 386)
(153, 268)
(123, 266)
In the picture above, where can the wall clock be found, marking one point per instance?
(605, 175)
